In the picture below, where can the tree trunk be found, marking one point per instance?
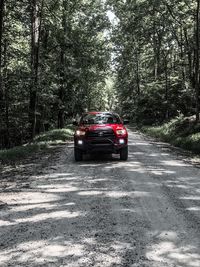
(6, 97)
(138, 73)
(61, 109)
(182, 58)
(196, 61)
(35, 40)
(189, 57)
(4, 89)
(166, 89)
(2, 2)
(61, 92)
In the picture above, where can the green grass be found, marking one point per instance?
(181, 132)
(40, 143)
(56, 135)
(21, 152)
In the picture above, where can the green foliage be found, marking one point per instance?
(72, 67)
(143, 64)
(40, 143)
(21, 152)
(154, 50)
(56, 135)
(181, 132)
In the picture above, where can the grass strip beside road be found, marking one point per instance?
(181, 132)
(40, 143)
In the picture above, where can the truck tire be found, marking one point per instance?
(124, 153)
(78, 155)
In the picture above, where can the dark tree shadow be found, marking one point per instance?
(106, 212)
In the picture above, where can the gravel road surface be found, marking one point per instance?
(104, 212)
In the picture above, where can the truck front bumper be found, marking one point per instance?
(105, 146)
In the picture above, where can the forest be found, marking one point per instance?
(59, 58)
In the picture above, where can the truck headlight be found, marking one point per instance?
(121, 132)
(80, 133)
(80, 142)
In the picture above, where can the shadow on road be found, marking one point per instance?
(106, 212)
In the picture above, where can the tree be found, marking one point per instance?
(57, 60)
(36, 22)
(157, 52)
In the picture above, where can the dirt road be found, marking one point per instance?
(105, 213)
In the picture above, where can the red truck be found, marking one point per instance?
(100, 132)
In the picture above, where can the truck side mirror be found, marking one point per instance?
(125, 121)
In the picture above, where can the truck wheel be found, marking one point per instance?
(78, 155)
(124, 153)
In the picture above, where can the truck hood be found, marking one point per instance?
(103, 127)
(95, 127)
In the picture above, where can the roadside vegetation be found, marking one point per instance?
(43, 142)
(158, 66)
(61, 58)
(157, 70)
(54, 64)
(57, 135)
(181, 132)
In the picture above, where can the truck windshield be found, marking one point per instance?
(100, 118)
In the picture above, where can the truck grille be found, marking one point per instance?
(101, 136)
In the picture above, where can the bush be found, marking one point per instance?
(181, 132)
(41, 142)
(21, 151)
(56, 135)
